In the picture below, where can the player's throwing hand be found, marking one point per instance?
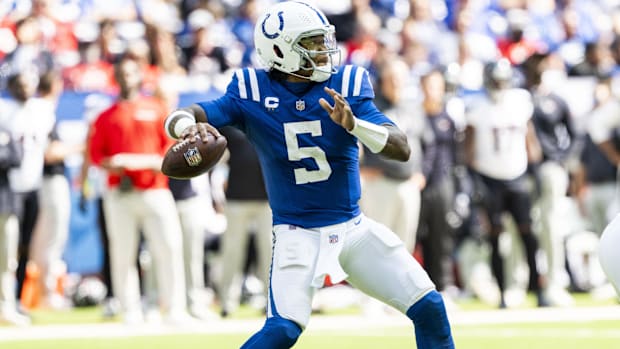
(201, 129)
(341, 111)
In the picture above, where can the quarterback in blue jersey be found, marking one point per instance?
(305, 117)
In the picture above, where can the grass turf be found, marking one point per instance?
(598, 334)
(533, 335)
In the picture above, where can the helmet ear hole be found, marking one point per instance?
(277, 51)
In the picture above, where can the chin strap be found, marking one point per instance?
(373, 136)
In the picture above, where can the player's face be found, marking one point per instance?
(317, 47)
(129, 76)
(24, 86)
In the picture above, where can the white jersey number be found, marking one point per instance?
(297, 153)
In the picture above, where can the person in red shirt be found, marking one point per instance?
(127, 141)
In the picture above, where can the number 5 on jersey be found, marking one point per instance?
(297, 153)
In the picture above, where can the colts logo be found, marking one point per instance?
(300, 105)
(333, 238)
(280, 27)
(192, 157)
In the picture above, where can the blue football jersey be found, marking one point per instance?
(310, 164)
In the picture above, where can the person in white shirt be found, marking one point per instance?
(10, 156)
(52, 228)
(500, 141)
(30, 121)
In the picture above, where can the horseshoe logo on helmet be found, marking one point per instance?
(281, 26)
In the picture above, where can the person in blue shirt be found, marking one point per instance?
(305, 116)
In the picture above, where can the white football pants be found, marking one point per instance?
(608, 252)
(365, 253)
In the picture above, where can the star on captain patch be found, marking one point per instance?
(300, 105)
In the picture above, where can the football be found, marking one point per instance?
(185, 160)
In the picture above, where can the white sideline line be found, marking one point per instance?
(333, 323)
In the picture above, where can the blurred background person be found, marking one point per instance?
(30, 121)
(391, 189)
(599, 196)
(248, 217)
(194, 207)
(500, 142)
(192, 202)
(597, 61)
(30, 51)
(557, 134)
(436, 232)
(11, 154)
(52, 229)
(127, 141)
(595, 187)
(92, 183)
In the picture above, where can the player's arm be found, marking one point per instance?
(532, 145)
(386, 139)
(189, 121)
(396, 146)
(609, 149)
(470, 134)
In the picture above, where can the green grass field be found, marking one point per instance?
(597, 335)
(530, 334)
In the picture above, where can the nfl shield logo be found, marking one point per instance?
(300, 105)
(192, 157)
(333, 238)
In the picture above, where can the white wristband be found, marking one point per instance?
(178, 121)
(373, 136)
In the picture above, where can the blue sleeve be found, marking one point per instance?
(356, 87)
(365, 109)
(225, 110)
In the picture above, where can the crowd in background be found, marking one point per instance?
(436, 67)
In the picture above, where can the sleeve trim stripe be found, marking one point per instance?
(359, 75)
(254, 85)
(346, 77)
(243, 93)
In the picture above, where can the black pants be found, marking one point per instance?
(28, 211)
(436, 235)
(512, 196)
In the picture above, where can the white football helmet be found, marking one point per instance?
(283, 41)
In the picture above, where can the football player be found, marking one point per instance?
(500, 140)
(304, 116)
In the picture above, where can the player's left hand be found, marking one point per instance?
(341, 112)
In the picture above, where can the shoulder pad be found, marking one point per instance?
(353, 81)
(244, 84)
